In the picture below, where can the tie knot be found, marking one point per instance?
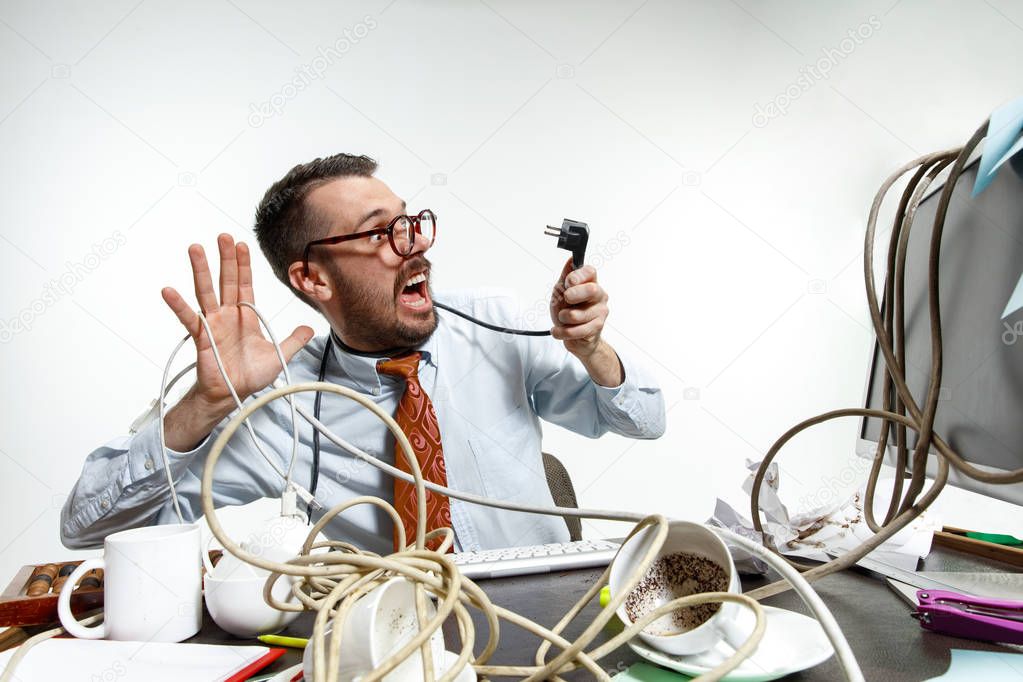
(407, 366)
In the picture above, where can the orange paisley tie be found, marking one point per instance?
(418, 420)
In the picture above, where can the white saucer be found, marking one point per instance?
(467, 674)
(792, 642)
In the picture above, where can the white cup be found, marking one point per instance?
(693, 539)
(151, 586)
(380, 623)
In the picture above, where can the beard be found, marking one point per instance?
(371, 313)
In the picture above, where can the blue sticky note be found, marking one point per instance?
(1015, 301)
(1015, 149)
(1002, 132)
(970, 666)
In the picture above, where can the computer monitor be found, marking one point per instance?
(980, 408)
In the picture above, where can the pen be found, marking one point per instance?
(278, 640)
(990, 545)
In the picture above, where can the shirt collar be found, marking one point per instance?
(361, 367)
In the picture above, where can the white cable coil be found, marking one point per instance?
(331, 582)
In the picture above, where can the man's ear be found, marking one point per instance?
(314, 283)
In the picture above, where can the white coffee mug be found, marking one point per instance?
(151, 586)
(689, 538)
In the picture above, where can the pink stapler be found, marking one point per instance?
(962, 615)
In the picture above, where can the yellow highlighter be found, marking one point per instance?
(277, 640)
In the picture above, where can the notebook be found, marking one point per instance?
(81, 659)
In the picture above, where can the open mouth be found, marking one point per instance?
(415, 294)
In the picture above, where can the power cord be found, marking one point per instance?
(291, 490)
(573, 236)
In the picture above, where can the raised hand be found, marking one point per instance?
(248, 356)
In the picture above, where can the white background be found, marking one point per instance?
(730, 245)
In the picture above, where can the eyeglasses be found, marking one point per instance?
(401, 232)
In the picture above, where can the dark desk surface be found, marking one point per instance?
(888, 644)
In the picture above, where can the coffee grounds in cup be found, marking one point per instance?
(670, 577)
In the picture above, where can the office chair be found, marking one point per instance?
(562, 491)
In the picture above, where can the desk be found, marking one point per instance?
(888, 644)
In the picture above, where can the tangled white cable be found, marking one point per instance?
(331, 582)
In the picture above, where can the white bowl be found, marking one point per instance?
(237, 605)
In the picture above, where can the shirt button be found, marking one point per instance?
(375, 391)
(149, 464)
(104, 504)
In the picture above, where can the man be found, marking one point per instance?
(339, 238)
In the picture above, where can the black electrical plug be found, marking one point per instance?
(572, 236)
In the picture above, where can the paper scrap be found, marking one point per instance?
(834, 529)
(745, 563)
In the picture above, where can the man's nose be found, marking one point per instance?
(421, 244)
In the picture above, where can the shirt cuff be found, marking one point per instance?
(145, 460)
(630, 402)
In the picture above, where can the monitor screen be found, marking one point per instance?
(980, 410)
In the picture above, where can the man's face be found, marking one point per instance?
(381, 299)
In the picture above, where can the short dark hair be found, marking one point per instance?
(284, 224)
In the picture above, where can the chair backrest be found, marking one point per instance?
(563, 493)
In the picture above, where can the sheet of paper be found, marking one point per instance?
(81, 659)
(996, 585)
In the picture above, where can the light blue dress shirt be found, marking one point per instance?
(490, 391)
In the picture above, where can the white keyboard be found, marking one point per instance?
(508, 561)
